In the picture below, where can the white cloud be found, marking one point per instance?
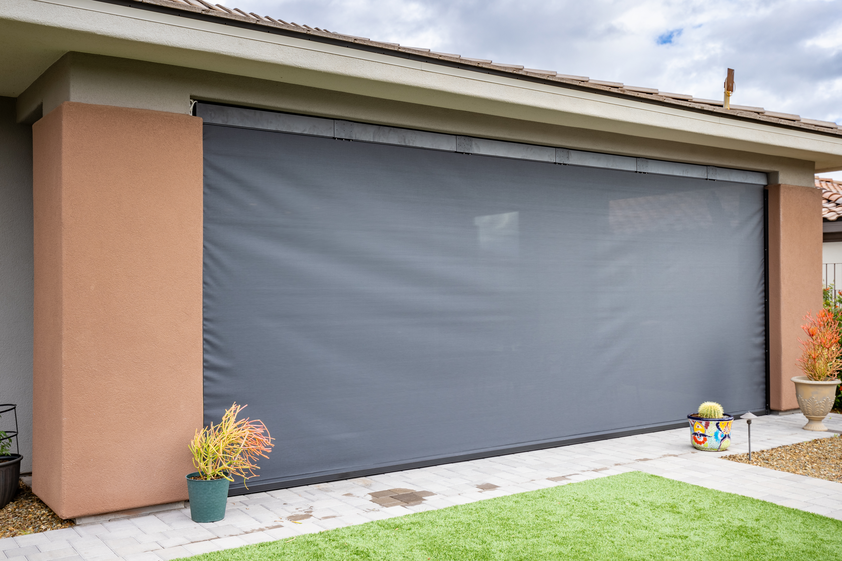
(787, 53)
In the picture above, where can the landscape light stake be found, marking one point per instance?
(748, 417)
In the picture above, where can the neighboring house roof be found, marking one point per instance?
(831, 198)
(201, 7)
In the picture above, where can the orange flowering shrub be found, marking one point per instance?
(230, 448)
(820, 356)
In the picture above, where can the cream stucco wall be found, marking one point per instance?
(832, 263)
(16, 275)
(832, 252)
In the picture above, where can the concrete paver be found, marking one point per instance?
(266, 516)
(21, 552)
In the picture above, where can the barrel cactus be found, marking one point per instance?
(711, 410)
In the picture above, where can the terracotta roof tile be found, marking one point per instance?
(831, 195)
(683, 100)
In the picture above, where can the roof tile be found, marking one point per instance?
(676, 95)
(816, 123)
(720, 103)
(785, 116)
(221, 11)
(536, 71)
(831, 195)
(572, 77)
(641, 90)
(748, 108)
(605, 83)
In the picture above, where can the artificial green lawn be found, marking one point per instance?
(628, 516)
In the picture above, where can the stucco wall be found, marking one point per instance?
(832, 263)
(16, 274)
(118, 306)
(118, 244)
(795, 258)
(832, 252)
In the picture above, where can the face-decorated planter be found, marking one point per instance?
(710, 435)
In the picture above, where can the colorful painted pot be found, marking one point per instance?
(710, 435)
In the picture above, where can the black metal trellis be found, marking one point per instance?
(5, 408)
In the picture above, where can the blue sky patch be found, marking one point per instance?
(668, 37)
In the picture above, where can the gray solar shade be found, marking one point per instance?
(381, 305)
(319, 126)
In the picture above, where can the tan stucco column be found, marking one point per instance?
(118, 306)
(795, 282)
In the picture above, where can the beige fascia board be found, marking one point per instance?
(100, 80)
(828, 170)
(114, 30)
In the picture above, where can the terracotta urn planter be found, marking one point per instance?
(815, 400)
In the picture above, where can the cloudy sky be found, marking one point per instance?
(787, 54)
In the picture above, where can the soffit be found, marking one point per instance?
(35, 33)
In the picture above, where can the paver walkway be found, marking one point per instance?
(281, 514)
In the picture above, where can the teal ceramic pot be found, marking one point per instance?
(207, 498)
(710, 435)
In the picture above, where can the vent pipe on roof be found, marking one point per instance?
(729, 88)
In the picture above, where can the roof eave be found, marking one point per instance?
(233, 45)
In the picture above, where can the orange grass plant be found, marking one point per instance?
(230, 448)
(820, 357)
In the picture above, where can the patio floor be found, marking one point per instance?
(285, 513)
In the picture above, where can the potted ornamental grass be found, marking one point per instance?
(821, 358)
(710, 428)
(221, 453)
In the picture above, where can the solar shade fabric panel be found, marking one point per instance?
(380, 306)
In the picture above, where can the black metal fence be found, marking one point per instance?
(831, 274)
